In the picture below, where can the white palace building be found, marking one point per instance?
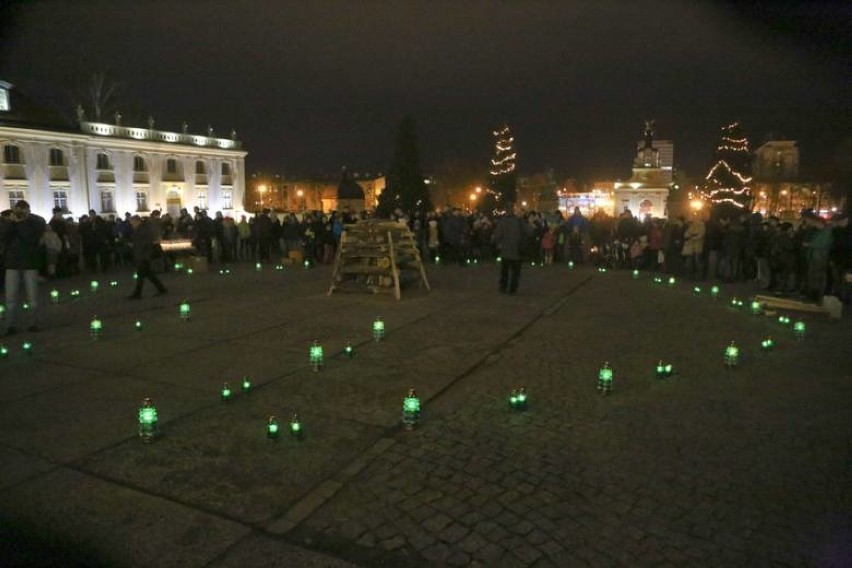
(112, 168)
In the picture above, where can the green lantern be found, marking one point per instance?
(605, 379)
(732, 355)
(271, 428)
(755, 308)
(136, 276)
(307, 263)
(113, 283)
(736, 303)
(74, 293)
(54, 296)
(513, 399)
(26, 305)
(437, 259)
(784, 320)
(258, 266)
(185, 310)
(189, 272)
(295, 427)
(2, 312)
(714, 292)
(349, 351)
(4, 351)
(94, 286)
(246, 384)
(378, 329)
(137, 325)
(96, 327)
(672, 281)
(664, 370)
(767, 344)
(499, 259)
(570, 265)
(602, 269)
(178, 267)
(635, 274)
(316, 356)
(226, 393)
(279, 267)
(658, 280)
(411, 410)
(518, 399)
(27, 346)
(147, 420)
(696, 290)
(799, 330)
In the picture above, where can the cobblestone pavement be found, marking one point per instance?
(707, 467)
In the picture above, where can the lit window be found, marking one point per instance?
(60, 200)
(141, 200)
(15, 195)
(107, 201)
(4, 98)
(11, 154)
(200, 168)
(171, 166)
(57, 158)
(138, 164)
(226, 169)
(202, 200)
(103, 162)
(227, 199)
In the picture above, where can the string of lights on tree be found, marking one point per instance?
(503, 175)
(727, 181)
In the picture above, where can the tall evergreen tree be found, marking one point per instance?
(405, 188)
(503, 174)
(727, 183)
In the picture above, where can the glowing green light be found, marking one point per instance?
(147, 420)
(570, 265)
(518, 399)
(767, 344)
(736, 302)
(635, 274)
(755, 307)
(246, 384)
(178, 266)
(411, 410)
(3, 311)
(279, 267)
(137, 325)
(658, 280)
(26, 305)
(696, 290)
(27, 347)
(94, 285)
(664, 369)
(74, 293)
(54, 296)
(135, 276)
(732, 355)
(295, 427)
(316, 356)
(714, 292)
(437, 260)
(258, 266)
(605, 378)
(349, 351)
(113, 283)
(271, 427)
(602, 269)
(799, 329)
(378, 329)
(672, 281)
(185, 310)
(226, 392)
(4, 351)
(96, 327)
(784, 320)
(189, 272)
(307, 263)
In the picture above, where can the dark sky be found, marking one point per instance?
(312, 86)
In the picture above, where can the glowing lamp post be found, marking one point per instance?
(54, 296)
(147, 420)
(664, 370)
(96, 327)
(767, 344)
(799, 330)
(378, 329)
(271, 428)
(246, 384)
(732, 355)
(94, 286)
(27, 346)
(411, 410)
(226, 393)
(316, 356)
(714, 292)
(185, 310)
(295, 427)
(605, 379)
(349, 351)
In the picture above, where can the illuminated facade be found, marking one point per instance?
(645, 193)
(112, 168)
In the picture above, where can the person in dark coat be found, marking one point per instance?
(143, 252)
(508, 236)
(21, 234)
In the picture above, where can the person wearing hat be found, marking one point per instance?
(21, 234)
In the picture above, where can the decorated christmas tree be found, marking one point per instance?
(727, 184)
(503, 175)
(405, 188)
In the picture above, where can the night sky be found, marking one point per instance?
(314, 86)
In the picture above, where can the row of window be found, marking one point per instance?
(60, 199)
(12, 155)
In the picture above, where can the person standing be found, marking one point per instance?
(508, 236)
(21, 234)
(143, 251)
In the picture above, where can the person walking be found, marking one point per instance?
(143, 253)
(509, 235)
(21, 234)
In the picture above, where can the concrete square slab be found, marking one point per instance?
(258, 550)
(18, 466)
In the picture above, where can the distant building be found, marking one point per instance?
(645, 193)
(112, 168)
(316, 193)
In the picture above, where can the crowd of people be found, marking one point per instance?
(806, 258)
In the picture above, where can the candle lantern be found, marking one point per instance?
(672, 281)
(147, 420)
(74, 293)
(714, 292)
(246, 384)
(94, 286)
(570, 265)
(658, 280)
(307, 263)
(271, 428)
(499, 259)
(27, 346)
(137, 325)
(96, 327)
(185, 310)
(279, 267)
(664, 370)
(518, 399)
(258, 266)
(113, 283)
(605, 379)
(26, 305)
(226, 393)
(316, 356)
(799, 330)
(54, 296)
(732, 355)
(411, 410)
(767, 344)
(3, 311)
(736, 303)
(784, 320)
(4, 351)
(437, 259)
(696, 290)
(602, 269)
(755, 308)
(178, 266)
(189, 272)
(378, 329)
(295, 427)
(635, 274)
(349, 351)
